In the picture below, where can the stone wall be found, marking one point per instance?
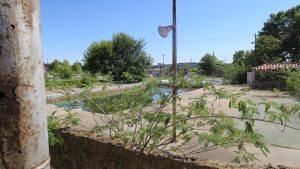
(84, 150)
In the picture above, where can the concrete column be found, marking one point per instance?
(23, 115)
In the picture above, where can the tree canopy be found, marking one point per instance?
(123, 56)
(279, 39)
(77, 67)
(61, 69)
(209, 64)
(243, 57)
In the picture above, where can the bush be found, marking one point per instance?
(235, 74)
(293, 83)
(272, 75)
(88, 80)
(61, 84)
(66, 73)
(61, 69)
(126, 100)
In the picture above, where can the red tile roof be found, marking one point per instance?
(277, 66)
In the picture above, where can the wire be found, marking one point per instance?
(205, 39)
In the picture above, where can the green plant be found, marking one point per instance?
(61, 70)
(293, 83)
(56, 124)
(77, 67)
(277, 92)
(87, 80)
(53, 125)
(126, 100)
(115, 57)
(148, 124)
(62, 84)
(209, 64)
(235, 74)
(279, 40)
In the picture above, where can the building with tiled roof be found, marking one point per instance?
(271, 68)
(277, 66)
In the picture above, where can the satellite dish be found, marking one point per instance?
(164, 30)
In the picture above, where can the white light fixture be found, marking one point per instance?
(164, 30)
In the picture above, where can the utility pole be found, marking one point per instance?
(255, 50)
(255, 41)
(149, 66)
(163, 64)
(174, 56)
(23, 114)
(163, 31)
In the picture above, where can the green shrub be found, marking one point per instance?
(293, 83)
(87, 80)
(235, 74)
(126, 100)
(272, 75)
(62, 70)
(61, 84)
(56, 124)
(66, 72)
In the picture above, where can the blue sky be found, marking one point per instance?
(203, 26)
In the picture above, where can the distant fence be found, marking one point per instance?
(268, 85)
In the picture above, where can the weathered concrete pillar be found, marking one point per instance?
(23, 117)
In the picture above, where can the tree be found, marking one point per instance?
(54, 65)
(121, 57)
(268, 50)
(77, 68)
(239, 57)
(236, 73)
(283, 30)
(244, 57)
(97, 57)
(209, 64)
(61, 69)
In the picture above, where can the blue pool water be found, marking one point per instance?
(79, 104)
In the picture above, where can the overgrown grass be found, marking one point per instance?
(126, 100)
(86, 81)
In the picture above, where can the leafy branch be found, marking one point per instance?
(135, 118)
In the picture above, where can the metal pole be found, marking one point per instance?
(149, 66)
(174, 54)
(160, 69)
(163, 63)
(23, 114)
(255, 64)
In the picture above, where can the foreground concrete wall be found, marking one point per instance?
(84, 150)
